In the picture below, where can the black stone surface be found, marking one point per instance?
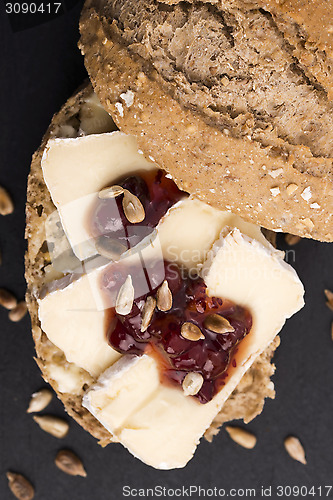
(40, 68)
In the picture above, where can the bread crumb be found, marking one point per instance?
(306, 195)
(314, 205)
(128, 98)
(275, 191)
(191, 129)
(291, 189)
(275, 173)
(308, 223)
(119, 108)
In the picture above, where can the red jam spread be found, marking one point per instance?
(177, 356)
(180, 334)
(156, 192)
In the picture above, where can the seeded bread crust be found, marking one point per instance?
(234, 101)
(248, 398)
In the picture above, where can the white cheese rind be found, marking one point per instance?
(70, 319)
(165, 430)
(75, 170)
(157, 423)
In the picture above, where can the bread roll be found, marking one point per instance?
(233, 98)
(82, 115)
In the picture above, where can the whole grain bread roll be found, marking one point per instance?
(232, 97)
(83, 115)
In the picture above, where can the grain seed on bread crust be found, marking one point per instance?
(248, 398)
(222, 138)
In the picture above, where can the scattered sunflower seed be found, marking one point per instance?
(133, 208)
(7, 299)
(18, 312)
(192, 383)
(6, 203)
(20, 486)
(242, 437)
(125, 298)
(164, 297)
(292, 239)
(70, 463)
(110, 192)
(190, 331)
(109, 248)
(55, 426)
(329, 296)
(40, 400)
(147, 312)
(218, 324)
(293, 446)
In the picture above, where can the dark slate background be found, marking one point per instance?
(40, 68)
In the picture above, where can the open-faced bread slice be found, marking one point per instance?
(83, 115)
(232, 98)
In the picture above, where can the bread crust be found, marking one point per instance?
(312, 17)
(267, 184)
(248, 398)
(39, 207)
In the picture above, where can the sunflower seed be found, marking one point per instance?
(20, 486)
(192, 383)
(125, 298)
(293, 446)
(292, 239)
(7, 299)
(133, 208)
(190, 331)
(109, 248)
(147, 313)
(242, 437)
(55, 426)
(18, 312)
(329, 296)
(218, 324)
(70, 463)
(164, 297)
(39, 400)
(110, 192)
(6, 203)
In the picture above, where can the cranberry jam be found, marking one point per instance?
(156, 192)
(210, 356)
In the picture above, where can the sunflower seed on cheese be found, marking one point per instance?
(125, 298)
(192, 383)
